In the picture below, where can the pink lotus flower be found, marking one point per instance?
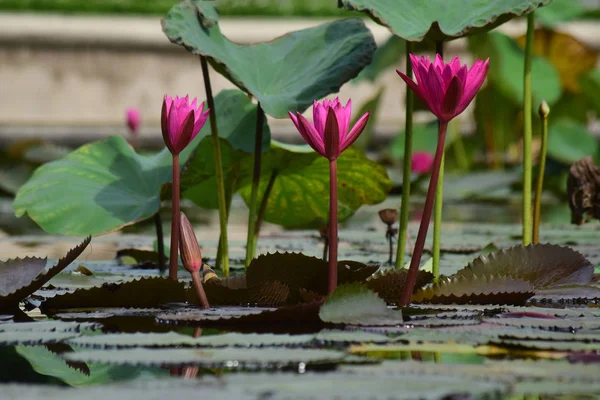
(421, 162)
(132, 116)
(446, 89)
(328, 135)
(181, 122)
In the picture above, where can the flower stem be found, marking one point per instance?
(263, 203)
(197, 282)
(527, 128)
(420, 243)
(408, 132)
(223, 243)
(160, 241)
(540, 178)
(252, 214)
(333, 226)
(437, 222)
(173, 262)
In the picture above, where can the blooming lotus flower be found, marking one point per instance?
(132, 116)
(181, 122)
(421, 162)
(446, 89)
(328, 134)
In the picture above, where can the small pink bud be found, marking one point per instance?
(421, 162)
(133, 120)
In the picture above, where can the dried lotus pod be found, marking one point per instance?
(583, 189)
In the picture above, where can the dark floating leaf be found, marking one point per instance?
(542, 265)
(49, 326)
(355, 304)
(571, 293)
(18, 273)
(583, 190)
(267, 294)
(584, 358)
(145, 292)
(487, 289)
(19, 288)
(299, 271)
(305, 315)
(389, 285)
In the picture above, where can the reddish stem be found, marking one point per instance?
(420, 243)
(197, 281)
(333, 226)
(174, 220)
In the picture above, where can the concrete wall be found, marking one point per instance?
(75, 76)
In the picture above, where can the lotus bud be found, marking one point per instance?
(544, 110)
(191, 257)
(389, 216)
(188, 246)
(133, 120)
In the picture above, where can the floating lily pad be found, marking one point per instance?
(573, 293)
(297, 271)
(21, 279)
(357, 305)
(570, 346)
(145, 292)
(389, 285)
(231, 358)
(440, 20)
(329, 337)
(542, 265)
(482, 289)
(570, 325)
(283, 78)
(31, 338)
(266, 294)
(109, 186)
(49, 326)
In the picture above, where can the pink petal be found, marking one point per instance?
(475, 79)
(452, 99)
(434, 91)
(332, 135)
(174, 123)
(420, 72)
(454, 65)
(201, 118)
(343, 115)
(417, 89)
(355, 132)
(294, 120)
(320, 115)
(310, 135)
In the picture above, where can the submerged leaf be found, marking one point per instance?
(542, 265)
(357, 305)
(486, 289)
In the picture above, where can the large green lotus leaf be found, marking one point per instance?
(590, 85)
(442, 19)
(98, 188)
(506, 69)
(355, 304)
(300, 190)
(542, 265)
(569, 141)
(287, 73)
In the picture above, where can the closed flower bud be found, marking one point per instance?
(188, 246)
(389, 216)
(544, 110)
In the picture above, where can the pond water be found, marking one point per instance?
(130, 351)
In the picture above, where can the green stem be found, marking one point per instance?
(437, 222)
(252, 214)
(160, 241)
(229, 196)
(540, 178)
(173, 259)
(224, 247)
(459, 147)
(527, 128)
(408, 132)
(263, 203)
(421, 236)
(333, 227)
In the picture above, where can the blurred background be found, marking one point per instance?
(69, 70)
